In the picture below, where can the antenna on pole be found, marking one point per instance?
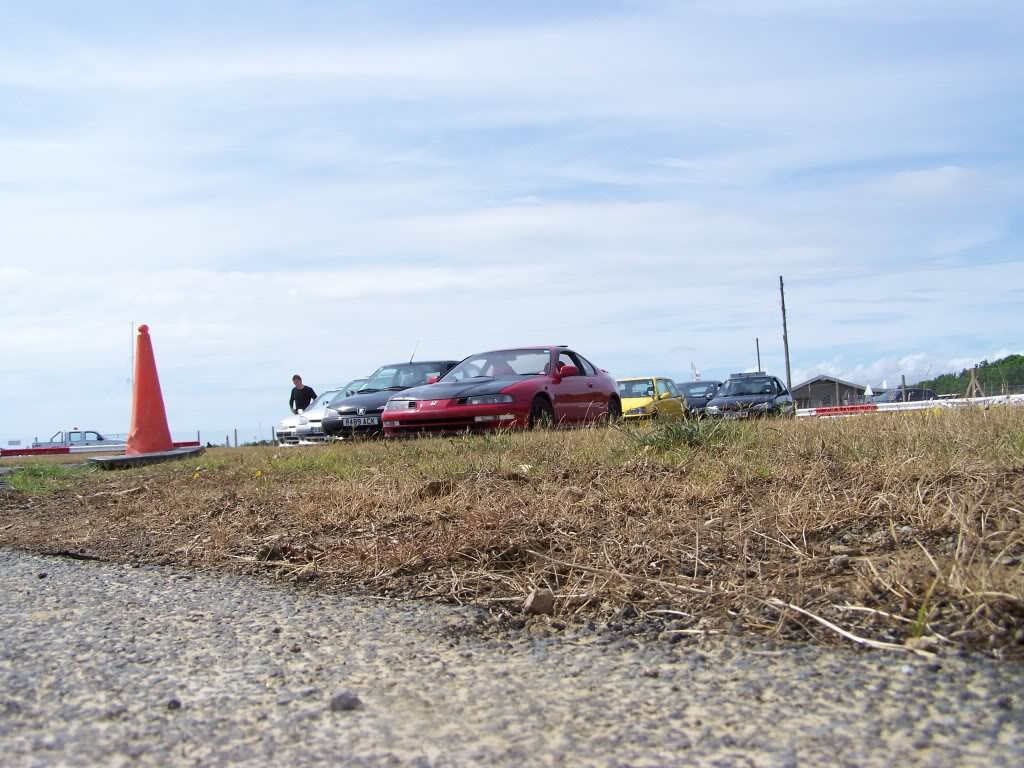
(414, 350)
(757, 342)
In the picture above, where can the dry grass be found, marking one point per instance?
(899, 530)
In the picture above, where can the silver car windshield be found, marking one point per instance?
(325, 398)
(400, 376)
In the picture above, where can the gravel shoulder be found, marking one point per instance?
(120, 665)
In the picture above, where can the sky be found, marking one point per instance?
(323, 187)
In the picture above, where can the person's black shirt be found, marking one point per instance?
(301, 398)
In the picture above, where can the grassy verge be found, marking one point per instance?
(47, 459)
(898, 529)
(43, 479)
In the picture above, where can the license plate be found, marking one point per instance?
(360, 421)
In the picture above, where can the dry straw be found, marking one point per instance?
(890, 531)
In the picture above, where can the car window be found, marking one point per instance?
(635, 387)
(569, 358)
(505, 362)
(75, 437)
(698, 389)
(761, 385)
(588, 367)
(93, 436)
(662, 387)
(672, 388)
(324, 399)
(401, 376)
(780, 387)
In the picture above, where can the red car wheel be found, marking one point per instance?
(614, 410)
(542, 416)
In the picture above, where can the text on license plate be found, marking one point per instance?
(360, 421)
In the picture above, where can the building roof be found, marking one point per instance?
(832, 379)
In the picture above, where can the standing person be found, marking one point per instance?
(301, 395)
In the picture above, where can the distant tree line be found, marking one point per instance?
(993, 377)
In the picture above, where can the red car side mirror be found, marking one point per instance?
(568, 370)
(432, 379)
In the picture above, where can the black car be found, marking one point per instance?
(751, 394)
(359, 414)
(909, 395)
(698, 394)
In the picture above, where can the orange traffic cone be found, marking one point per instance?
(149, 431)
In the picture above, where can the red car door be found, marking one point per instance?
(576, 391)
(564, 395)
(596, 404)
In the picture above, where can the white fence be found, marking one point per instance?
(837, 411)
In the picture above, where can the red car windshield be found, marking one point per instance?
(505, 362)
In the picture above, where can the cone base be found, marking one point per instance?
(142, 459)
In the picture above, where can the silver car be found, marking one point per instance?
(304, 426)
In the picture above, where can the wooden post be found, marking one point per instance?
(973, 388)
(785, 334)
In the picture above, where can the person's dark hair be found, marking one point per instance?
(296, 376)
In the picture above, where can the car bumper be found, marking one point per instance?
(444, 418)
(338, 429)
(742, 413)
(313, 432)
(636, 416)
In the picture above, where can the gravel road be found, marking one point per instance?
(117, 665)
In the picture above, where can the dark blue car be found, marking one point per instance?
(745, 395)
(698, 394)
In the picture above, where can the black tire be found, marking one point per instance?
(542, 416)
(614, 410)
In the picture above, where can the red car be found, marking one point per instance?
(523, 388)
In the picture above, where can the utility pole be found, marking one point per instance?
(757, 341)
(785, 334)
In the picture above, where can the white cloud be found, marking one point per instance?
(632, 184)
(915, 367)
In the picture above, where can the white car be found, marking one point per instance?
(304, 426)
(81, 441)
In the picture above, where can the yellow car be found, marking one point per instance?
(651, 397)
